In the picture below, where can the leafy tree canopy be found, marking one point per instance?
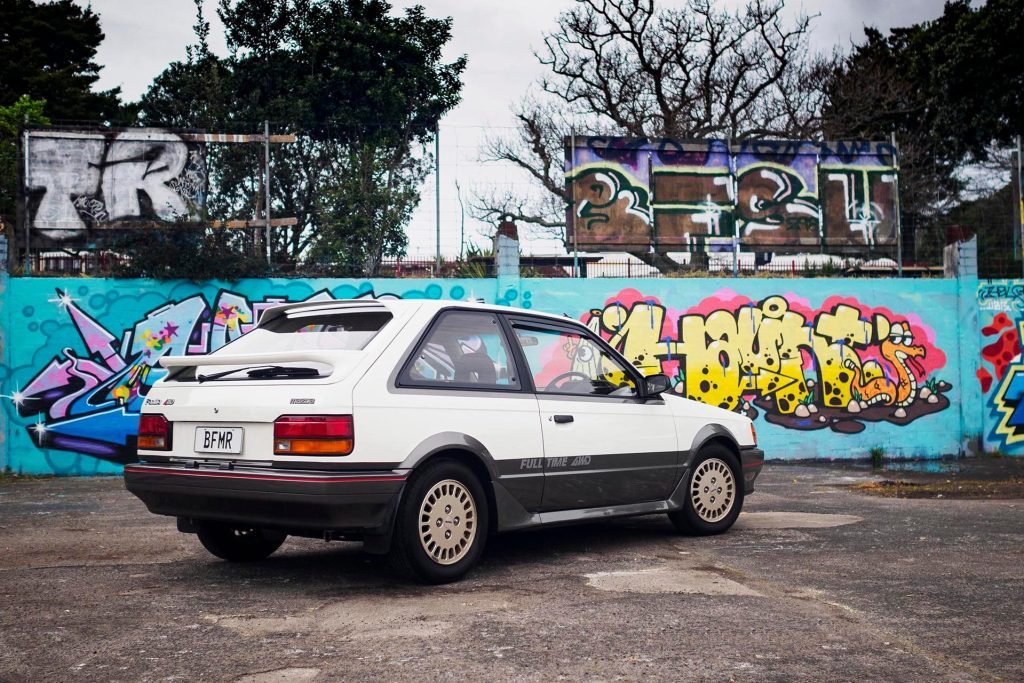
(952, 91)
(12, 117)
(361, 86)
(47, 51)
(949, 88)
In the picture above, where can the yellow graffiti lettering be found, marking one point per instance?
(635, 333)
(769, 352)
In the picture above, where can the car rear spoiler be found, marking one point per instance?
(332, 358)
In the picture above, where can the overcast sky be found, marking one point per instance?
(143, 36)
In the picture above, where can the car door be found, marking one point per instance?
(461, 382)
(603, 443)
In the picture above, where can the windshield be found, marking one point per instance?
(311, 330)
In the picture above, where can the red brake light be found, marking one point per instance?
(154, 433)
(313, 435)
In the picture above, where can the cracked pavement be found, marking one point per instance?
(816, 581)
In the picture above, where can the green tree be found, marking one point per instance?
(24, 111)
(950, 89)
(47, 51)
(187, 251)
(362, 87)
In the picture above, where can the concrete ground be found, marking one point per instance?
(817, 581)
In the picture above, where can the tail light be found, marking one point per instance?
(154, 433)
(753, 433)
(313, 435)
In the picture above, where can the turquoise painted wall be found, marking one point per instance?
(827, 368)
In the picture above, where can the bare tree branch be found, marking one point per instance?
(630, 67)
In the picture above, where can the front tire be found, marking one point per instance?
(239, 544)
(441, 527)
(714, 493)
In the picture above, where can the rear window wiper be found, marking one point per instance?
(282, 371)
(263, 372)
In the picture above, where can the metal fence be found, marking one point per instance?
(107, 263)
(89, 263)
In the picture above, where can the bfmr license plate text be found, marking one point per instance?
(218, 440)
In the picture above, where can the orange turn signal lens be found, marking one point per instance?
(153, 443)
(753, 433)
(312, 446)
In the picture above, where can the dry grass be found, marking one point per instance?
(949, 488)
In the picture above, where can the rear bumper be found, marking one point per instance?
(751, 460)
(353, 502)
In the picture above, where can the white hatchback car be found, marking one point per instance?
(421, 428)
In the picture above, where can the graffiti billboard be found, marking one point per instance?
(77, 180)
(826, 368)
(671, 195)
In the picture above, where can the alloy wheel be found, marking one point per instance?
(447, 522)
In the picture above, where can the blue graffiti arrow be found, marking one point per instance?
(1012, 398)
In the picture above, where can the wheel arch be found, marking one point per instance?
(709, 434)
(466, 450)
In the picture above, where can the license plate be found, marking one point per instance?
(218, 440)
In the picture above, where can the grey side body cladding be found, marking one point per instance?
(517, 495)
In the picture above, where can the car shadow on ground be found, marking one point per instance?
(302, 563)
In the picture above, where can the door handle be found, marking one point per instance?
(562, 419)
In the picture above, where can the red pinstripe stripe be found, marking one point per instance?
(263, 477)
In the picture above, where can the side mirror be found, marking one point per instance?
(656, 384)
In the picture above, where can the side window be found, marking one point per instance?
(563, 362)
(464, 348)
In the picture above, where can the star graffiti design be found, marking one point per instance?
(170, 330)
(63, 300)
(40, 430)
(17, 397)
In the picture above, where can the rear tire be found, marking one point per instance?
(714, 493)
(442, 522)
(239, 544)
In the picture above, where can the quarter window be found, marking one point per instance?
(463, 349)
(564, 362)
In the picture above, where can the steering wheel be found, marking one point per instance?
(572, 374)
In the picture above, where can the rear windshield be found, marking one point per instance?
(311, 330)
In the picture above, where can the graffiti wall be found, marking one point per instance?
(1000, 373)
(771, 195)
(826, 368)
(87, 352)
(77, 180)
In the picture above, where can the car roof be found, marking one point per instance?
(395, 305)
